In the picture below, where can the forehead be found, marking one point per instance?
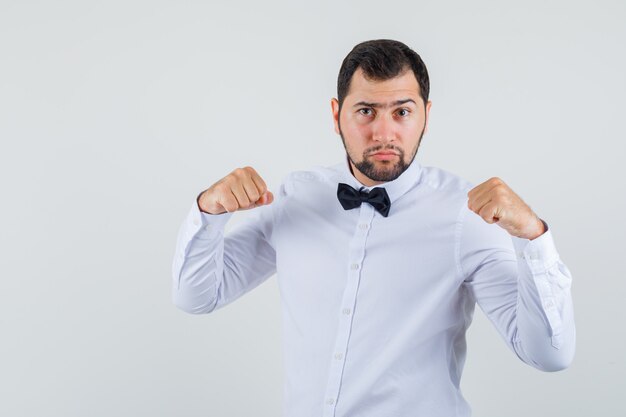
(404, 85)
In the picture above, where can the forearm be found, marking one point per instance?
(198, 261)
(545, 334)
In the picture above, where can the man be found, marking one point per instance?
(380, 260)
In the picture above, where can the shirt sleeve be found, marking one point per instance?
(212, 269)
(523, 287)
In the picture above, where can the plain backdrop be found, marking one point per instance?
(115, 115)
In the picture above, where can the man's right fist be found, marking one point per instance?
(242, 189)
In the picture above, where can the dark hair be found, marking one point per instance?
(380, 60)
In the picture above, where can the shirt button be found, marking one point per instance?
(196, 222)
(355, 266)
(346, 311)
(548, 304)
(338, 355)
(363, 225)
(330, 401)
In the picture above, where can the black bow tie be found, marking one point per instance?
(350, 198)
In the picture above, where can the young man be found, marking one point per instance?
(380, 260)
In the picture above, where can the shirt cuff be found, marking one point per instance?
(540, 253)
(204, 224)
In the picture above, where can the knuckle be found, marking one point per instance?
(229, 205)
(245, 201)
(221, 188)
(236, 205)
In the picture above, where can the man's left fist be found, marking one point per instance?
(495, 202)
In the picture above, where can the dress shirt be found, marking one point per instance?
(375, 309)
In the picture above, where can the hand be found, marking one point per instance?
(495, 202)
(242, 189)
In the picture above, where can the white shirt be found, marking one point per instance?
(375, 309)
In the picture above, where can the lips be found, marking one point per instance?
(384, 156)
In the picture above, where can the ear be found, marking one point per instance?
(428, 104)
(334, 105)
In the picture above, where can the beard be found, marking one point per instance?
(384, 170)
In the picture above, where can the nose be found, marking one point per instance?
(383, 129)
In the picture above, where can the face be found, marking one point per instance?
(381, 116)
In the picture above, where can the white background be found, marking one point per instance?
(115, 115)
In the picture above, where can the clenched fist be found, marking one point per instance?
(495, 202)
(242, 189)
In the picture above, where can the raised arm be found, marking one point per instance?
(522, 286)
(209, 269)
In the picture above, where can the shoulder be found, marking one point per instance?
(310, 176)
(445, 182)
(450, 190)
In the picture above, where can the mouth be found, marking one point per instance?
(383, 156)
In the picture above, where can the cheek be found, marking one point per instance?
(411, 130)
(415, 129)
(356, 131)
(362, 130)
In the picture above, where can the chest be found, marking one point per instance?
(322, 249)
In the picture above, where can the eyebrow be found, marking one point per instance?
(395, 103)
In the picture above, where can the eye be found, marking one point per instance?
(366, 109)
(405, 110)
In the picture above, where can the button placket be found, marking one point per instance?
(355, 259)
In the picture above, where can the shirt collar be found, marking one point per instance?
(395, 189)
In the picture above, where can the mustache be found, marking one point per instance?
(394, 150)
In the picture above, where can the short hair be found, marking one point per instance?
(380, 60)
